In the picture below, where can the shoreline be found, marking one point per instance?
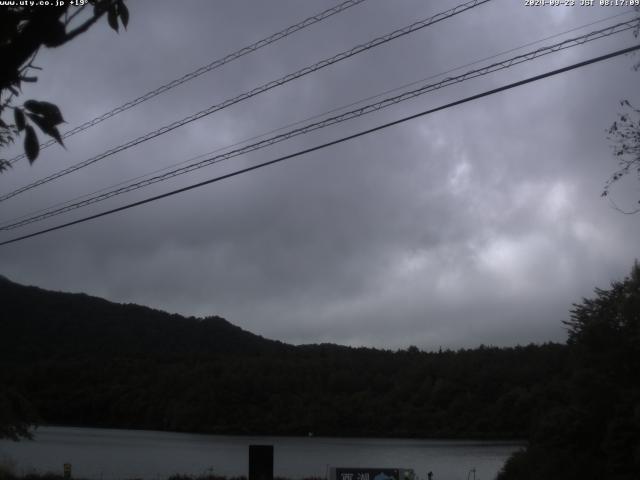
(442, 438)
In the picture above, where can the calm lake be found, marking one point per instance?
(121, 454)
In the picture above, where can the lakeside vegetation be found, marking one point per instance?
(87, 362)
(72, 359)
(593, 430)
(6, 474)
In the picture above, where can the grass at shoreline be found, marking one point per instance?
(6, 474)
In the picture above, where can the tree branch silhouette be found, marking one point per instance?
(24, 31)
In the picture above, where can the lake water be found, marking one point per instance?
(123, 454)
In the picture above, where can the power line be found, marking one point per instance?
(267, 86)
(313, 117)
(307, 22)
(331, 143)
(333, 120)
(569, 43)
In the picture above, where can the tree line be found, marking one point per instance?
(71, 359)
(591, 429)
(81, 360)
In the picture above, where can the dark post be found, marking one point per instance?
(260, 462)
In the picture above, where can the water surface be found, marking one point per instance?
(123, 454)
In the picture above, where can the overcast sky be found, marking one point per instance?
(480, 224)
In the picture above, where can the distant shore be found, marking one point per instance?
(4, 475)
(453, 438)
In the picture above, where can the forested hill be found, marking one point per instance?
(44, 324)
(81, 360)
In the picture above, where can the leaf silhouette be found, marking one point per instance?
(48, 110)
(47, 127)
(19, 117)
(123, 12)
(53, 33)
(112, 18)
(31, 146)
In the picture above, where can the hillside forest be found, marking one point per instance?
(73, 359)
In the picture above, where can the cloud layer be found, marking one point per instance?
(478, 224)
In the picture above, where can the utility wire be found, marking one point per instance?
(320, 115)
(267, 86)
(337, 119)
(328, 144)
(591, 36)
(313, 117)
(202, 70)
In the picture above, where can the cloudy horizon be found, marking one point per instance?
(478, 224)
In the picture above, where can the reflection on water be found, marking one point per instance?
(121, 454)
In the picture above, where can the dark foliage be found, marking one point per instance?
(17, 415)
(594, 431)
(624, 134)
(54, 476)
(85, 361)
(24, 29)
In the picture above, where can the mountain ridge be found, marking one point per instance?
(58, 316)
(84, 361)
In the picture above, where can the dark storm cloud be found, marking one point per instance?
(479, 224)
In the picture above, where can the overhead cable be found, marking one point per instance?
(267, 86)
(315, 116)
(202, 70)
(573, 42)
(308, 119)
(328, 144)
